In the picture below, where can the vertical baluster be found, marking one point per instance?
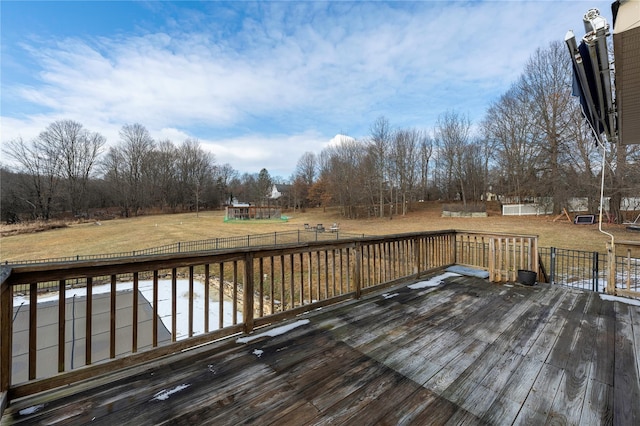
(206, 298)
(88, 321)
(310, 276)
(291, 281)
(33, 329)
(261, 281)
(112, 319)
(272, 282)
(326, 274)
(155, 308)
(62, 306)
(301, 259)
(6, 333)
(628, 280)
(348, 267)
(190, 301)
(174, 304)
(283, 299)
(333, 270)
(221, 298)
(134, 319)
(235, 291)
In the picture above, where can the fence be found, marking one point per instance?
(526, 209)
(257, 240)
(130, 310)
(574, 268)
(617, 274)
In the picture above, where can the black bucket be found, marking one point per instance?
(527, 277)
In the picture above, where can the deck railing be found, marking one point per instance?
(501, 254)
(624, 268)
(113, 313)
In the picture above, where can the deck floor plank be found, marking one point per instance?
(464, 352)
(626, 383)
(537, 406)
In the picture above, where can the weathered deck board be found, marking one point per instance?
(626, 380)
(465, 352)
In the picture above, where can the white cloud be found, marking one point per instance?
(338, 140)
(277, 153)
(262, 89)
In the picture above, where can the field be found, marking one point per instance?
(123, 235)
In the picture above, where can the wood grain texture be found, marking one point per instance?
(464, 352)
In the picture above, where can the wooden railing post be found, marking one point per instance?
(6, 330)
(627, 274)
(357, 272)
(247, 290)
(611, 263)
(492, 259)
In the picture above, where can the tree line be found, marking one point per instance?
(66, 170)
(532, 144)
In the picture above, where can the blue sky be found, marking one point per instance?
(260, 83)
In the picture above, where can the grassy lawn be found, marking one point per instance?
(123, 235)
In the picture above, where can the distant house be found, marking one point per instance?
(282, 193)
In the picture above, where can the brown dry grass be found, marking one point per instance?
(124, 235)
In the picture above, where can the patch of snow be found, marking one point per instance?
(390, 295)
(626, 300)
(433, 282)
(166, 393)
(274, 331)
(258, 352)
(31, 410)
(164, 303)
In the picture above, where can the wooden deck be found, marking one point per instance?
(464, 352)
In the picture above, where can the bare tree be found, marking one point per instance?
(225, 174)
(195, 168)
(425, 147)
(62, 156)
(304, 177)
(126, 168)
(343, 174)
(307, 167)
(163, 175)
(509, 127)
(264, 184)
(546, 82)
(40, 189)
(77, 150)
(453, 132)
(582, 167)
(380, 140)
(474, 170)
(404, 153)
